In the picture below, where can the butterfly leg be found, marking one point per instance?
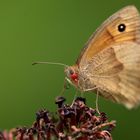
(74, 98)
(66, 85)
(97, 98)
(89, 89)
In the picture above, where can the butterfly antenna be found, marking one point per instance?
(51, 63)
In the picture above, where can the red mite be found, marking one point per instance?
(74, 77)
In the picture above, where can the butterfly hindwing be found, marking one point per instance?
(118, 77)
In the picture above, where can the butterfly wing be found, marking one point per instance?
(108, 33)
(111, 59)
(117, 75)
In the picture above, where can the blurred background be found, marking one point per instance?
(50, 30)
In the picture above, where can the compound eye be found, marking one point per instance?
(71, 72)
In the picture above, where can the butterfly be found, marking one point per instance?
(110, 61)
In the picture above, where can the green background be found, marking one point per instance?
(50, 30)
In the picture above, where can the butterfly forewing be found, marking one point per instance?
(108, 33)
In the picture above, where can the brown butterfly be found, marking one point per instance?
(110, 61)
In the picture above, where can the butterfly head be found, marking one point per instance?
(71, 75)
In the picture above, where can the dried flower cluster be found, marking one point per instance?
(75, 122)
